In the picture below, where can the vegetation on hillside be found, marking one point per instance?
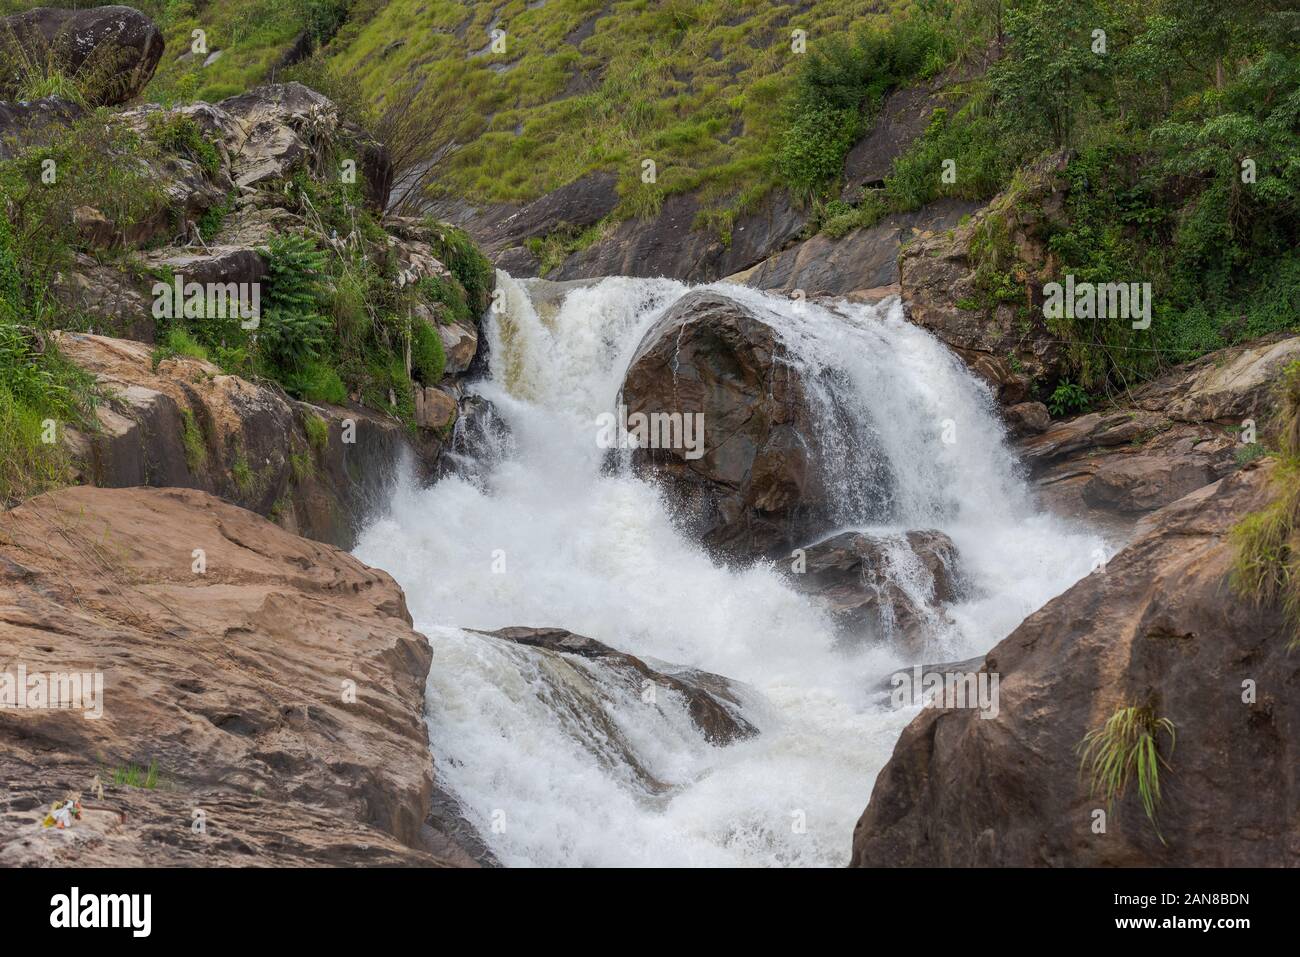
(1180, 123)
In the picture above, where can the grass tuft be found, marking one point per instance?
(1125, 748)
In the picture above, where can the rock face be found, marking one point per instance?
(755, 489)
(883, 588)
(1170, 437)
(24, 125)
(1158, 628)
(862, 264)
(711, 699)
(112, 51)
(666, 244)
(183, 423)
(232, 682)
(1008, 344)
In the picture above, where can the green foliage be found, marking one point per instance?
(242, 474)
(318, 433)
(177, 341)
(1266, 561)
(292, 333)
(315, 381)
(1126, 747)
(176, 133)
(134, 776)
(196, 447)
(839, 86)
(428, 359)
(302, 466)
(472, 270)
(1068, 399)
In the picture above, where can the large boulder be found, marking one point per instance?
(1158, 627)
(281, 126)
(111, 51)
(276, 692)
(755, 489)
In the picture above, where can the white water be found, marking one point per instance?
(597, 553)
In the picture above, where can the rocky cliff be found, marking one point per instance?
(1158, 628)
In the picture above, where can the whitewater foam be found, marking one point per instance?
(548, 537)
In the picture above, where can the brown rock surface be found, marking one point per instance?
(186, 424)
(1158, 627)
(1164, 439)
(755, 490)
(230, 682)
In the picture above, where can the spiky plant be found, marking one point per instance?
(1127, 746)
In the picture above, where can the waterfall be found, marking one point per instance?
(548, 536)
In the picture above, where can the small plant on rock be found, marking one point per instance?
(1125, 748)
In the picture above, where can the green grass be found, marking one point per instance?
(697, 86)
(1123, 750)
(318, 433)
(196, 448)
(134, 776)
(177, 341)
(242, 473)
(302, 466)
(1266, 559)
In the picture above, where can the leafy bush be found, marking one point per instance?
(428, 360)
(1068, 399)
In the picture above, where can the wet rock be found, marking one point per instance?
(279, 691)
(883, 588)
(755, 489)
(459, 345)
(112, 51)
(434, 408)
(1027, 418)
(1159, 627)
(712, 700)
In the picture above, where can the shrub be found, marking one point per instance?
(428, 360)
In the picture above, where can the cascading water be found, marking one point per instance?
(548, 537)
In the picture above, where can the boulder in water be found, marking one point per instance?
(711, 699)
(889, 587)
(753, 488)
